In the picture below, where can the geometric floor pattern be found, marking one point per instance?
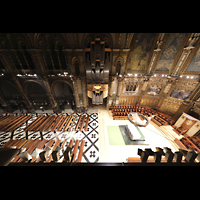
(91, 136)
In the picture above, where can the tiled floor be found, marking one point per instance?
(97, 147)
(91, 136)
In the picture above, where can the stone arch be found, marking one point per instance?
(119, 64)
(88, 37)
(4, 41)
(20, 41)
(49, 40)
(37, 94)
(62, 81)
(10, 93)
(76, 66)
(63, 93)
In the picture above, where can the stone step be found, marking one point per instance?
(167, 135)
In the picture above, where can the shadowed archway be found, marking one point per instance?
(63, 94)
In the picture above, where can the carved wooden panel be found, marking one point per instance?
(170, 106)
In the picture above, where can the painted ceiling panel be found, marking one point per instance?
(139, 55)
(195, 64)
(170, 50)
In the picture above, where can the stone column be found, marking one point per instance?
(119, 88)
(85, 98)
(51, 98)
(74, 80)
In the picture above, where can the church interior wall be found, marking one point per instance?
(159, 70)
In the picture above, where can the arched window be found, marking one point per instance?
(118, 67)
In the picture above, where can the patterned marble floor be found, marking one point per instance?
(91, 136)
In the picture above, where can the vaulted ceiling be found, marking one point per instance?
(44, 58)
(145, 53)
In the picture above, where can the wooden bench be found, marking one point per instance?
(59, 128)
(72, 123)
(32, 124)
(40, 146)
(77, 125)
(80, 154)
(86, 124)
(58, 120)
(31, 145)
(29, 148)
(19, 123)
(82, 123)
(68, 123)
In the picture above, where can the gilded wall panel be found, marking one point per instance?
(149, 101)
(128, 100)
(170, 106)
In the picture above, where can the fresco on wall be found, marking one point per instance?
(154, 89)
(170, 50)
(139, 55)
(195, 64)
(180, 94)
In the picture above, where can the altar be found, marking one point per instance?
(187, 124)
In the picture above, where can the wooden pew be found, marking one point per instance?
(70, 146)
(19, 123)
(82, 123)
(27, 144)
(54, 147)
(72, 124)
(40, 146)
(68, 123)
(77, 125)
(86, 124)
(55, 154)
(28, 149)
(32, 124)
(38, 124)
(6, 121)
(80, 153)
(50, 124)
(75, 150)
(58, 120)
(10, 122)
(7, 143)
(45, 124)
(62, 123)
(49, 144)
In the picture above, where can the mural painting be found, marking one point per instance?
(180, 93)
(139, 55)
(195, 64)
(169, 53)
(154, 89)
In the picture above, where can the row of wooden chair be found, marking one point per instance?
(58, 123)
(12, 122)
(70, 154)
(121, 112)
(149, 156)
(159, 121)
(165, 118)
